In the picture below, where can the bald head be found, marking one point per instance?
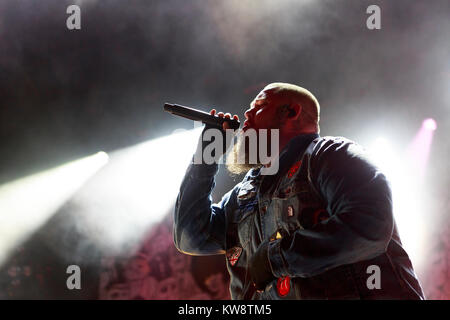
(293, 97)
(280, 110)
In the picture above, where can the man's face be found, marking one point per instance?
(119, 291)
(168, 289)
(137, 268)
(215, 282)
(179, 262)
(262, 113)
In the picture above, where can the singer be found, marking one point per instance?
(322, 227)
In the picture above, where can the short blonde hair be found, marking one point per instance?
(296, 94)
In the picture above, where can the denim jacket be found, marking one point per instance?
(327, 214)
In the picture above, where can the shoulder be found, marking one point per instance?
(342, 155)
(331, 147)
(332, 143)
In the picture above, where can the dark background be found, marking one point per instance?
(65, 94)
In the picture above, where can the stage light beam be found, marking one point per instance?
(420, 148)
(406, 194)
(134, 192)
(429, 124)
(27, 203)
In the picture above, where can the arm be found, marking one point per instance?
(361, 223)
(199, 225)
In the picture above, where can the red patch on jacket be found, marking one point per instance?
(294, 169)
(283, 286)
(233, 255)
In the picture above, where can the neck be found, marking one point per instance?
(285, 138)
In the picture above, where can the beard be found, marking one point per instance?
(238, 159)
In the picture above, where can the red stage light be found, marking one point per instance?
(429, 124)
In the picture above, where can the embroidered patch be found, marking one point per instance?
(290, 211)
(277, 235)
(283, 286)
(233, 255)
(294, 169)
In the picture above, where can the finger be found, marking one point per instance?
(226, 126)
(227, 115)
(213, 112)
(236, 117)
(220, 114)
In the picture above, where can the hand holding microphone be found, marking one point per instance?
(225, 125)
(220, 121)
(207, 118)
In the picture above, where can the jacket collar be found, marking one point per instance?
(292, 151)
(295, 148)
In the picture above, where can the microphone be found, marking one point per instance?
(198, 115)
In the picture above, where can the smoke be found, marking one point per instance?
(69, 93)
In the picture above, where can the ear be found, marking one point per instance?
(294, 111)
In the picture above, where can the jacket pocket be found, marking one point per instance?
(243, 219)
